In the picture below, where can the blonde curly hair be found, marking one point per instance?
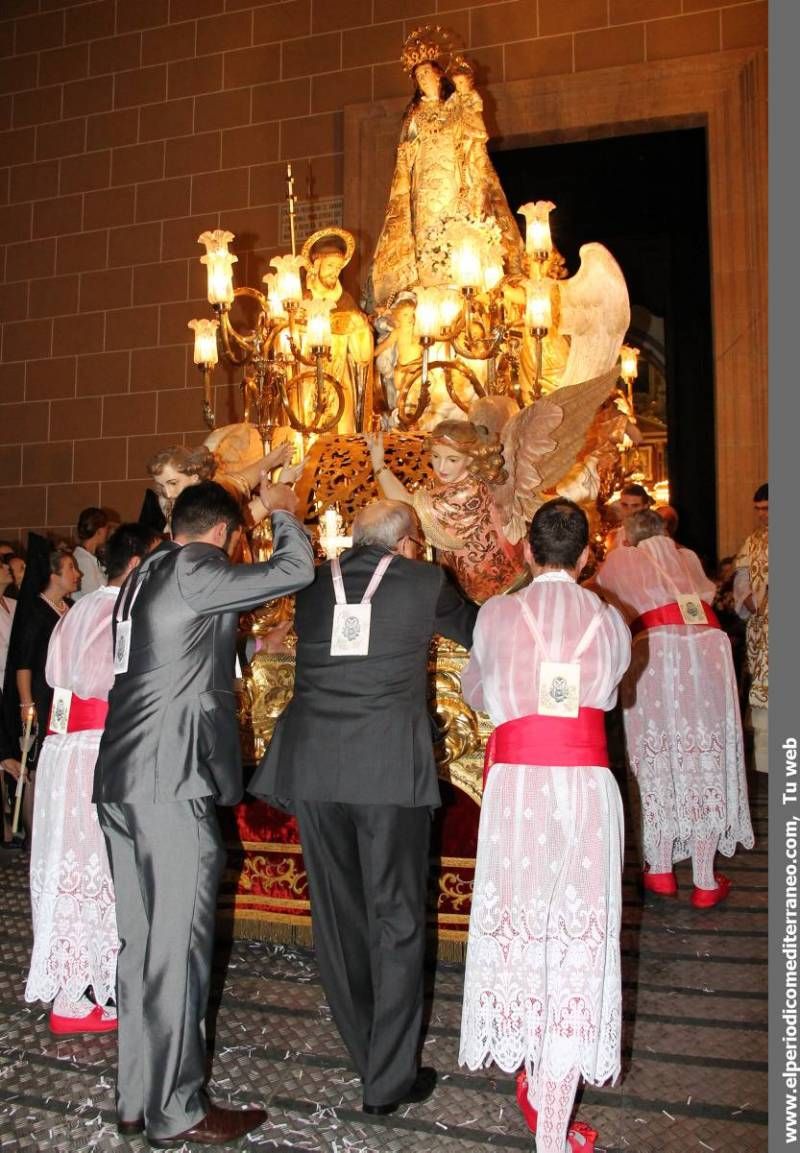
(475, 441)
(197, 462)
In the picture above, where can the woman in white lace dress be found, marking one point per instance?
(542, 987)
(75, 941)
(680, 709)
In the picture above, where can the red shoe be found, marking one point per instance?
(581, 1138)
(664, 884)
(94, 1022)
(707, 898)
(528, 1112)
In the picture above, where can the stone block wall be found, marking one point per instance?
(127, 127)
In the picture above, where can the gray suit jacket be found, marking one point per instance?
(357, 729)
(171, 732)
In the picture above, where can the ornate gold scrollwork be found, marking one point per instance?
(455, 891)
(269, 685)
(261, 871)
(459, 752)
(339, 472)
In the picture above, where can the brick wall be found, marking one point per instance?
(127, 127)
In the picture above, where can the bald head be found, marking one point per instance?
(385, 523)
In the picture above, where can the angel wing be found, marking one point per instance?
(493, 412)
(541, 444)
(595, 314)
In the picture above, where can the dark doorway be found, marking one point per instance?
(646, 199)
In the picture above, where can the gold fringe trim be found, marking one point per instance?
(277, 932)
(450, 946)
(450, 949)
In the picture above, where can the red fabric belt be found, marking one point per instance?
(85, 714)
(537, 740)
(671, 615)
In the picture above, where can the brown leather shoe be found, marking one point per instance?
(130, 1128)
(218, 1127)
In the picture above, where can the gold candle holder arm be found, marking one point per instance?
(229, 337)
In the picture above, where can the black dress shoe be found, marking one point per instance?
(218, 1127)
(420, 1091)
(130, 1128)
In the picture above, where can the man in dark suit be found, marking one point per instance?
(353, 756)
(169, 754)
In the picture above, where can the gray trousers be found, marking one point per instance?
(166, 862)
(368, 871)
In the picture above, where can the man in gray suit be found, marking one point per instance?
(353, 756)
(169, 754)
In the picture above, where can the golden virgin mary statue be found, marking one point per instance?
(443, 177)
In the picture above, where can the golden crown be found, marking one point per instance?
(427, 45)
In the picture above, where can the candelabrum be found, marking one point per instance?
(482, 318)
(283, 357)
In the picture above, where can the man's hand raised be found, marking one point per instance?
(277, 497)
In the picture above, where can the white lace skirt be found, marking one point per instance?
(684, 738)
(543, 985)
(75, 940)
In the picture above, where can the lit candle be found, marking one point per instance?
(537, 227)
(450, 305)
(538, 236)
(219, 264)
(287, 281)
(628, 363)
(289, 285)
(329, 538)
(426, 315)
(466, 262)
(276, 309)
(318, 322)
(205, 341)
(492, 275)
(538, 312)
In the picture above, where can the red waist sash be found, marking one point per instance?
(537, 740)
(671, 615)
(89, 713)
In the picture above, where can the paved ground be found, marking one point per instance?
(695, 1060)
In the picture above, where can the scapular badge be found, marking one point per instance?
(559, 688)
